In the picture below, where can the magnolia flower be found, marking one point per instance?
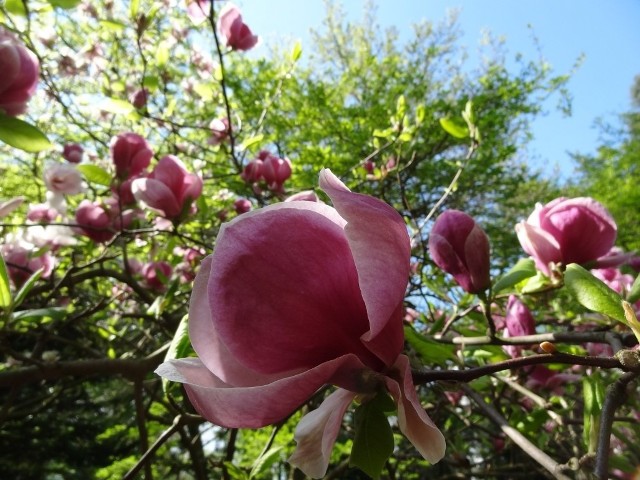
(275, 171)
(460, 247)
(22, 263)
(63, 179)
(198, 10)
(156, 275)
(169, 189)
(131, 154)
(295, 296)
(567, 230)
(518, 322)
(242, 205)
(252, 172)
(237, 34)
(72, 152)
(20, 73)
(306, 195)
(220, 130)
(139, 98)
(94, 221)
(10, 205)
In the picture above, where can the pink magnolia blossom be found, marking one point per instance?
(252, 172)
(198, 10)
(306, 195)
(275, 170)
(72, 152)
(295, 296)
(518, 322)
(237, 34)
(567, 230)
(20, 73)
(461, 248)
(139, 98)
(220, 130)
(131, 154)
(10, 205)
(94, 221)
(21, 263)
(41, 213)
(156, 275)
(169, 189)
(63, 179)
(614, 279)
(242, 205)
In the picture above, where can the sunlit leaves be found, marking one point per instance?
(592, 293)
(95, 174)
(22, 135)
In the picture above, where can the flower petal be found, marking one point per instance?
(256, 406)
(317, 432)
(155, 195)
(412, 419)
(381, 249)
(539, 244)
(284, 282)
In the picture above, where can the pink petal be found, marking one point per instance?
(447, 259)
(254, 406)
(381, 249)
(156, 196)
(171, 171)
(539, 244)
(317, 432)
(285, 283)
(412, 419)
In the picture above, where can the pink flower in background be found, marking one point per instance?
(123, 191)
(94, 221)
(275, 171)
(20, 73)
(252, 172)
(518, 322)
(131, 154)
(139, 98)
(72, 152)
(169, 189)
(156, 275)
(461, 248)
(237, 34)
(220, 130)
(63, 179)
(21, 263)
(614, 279)
(41, 213)
(242, 205)
(307, 196)
(198, 10)
(295, 296)
(567, 230)
(10, 205)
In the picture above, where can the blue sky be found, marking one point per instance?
(606, 32)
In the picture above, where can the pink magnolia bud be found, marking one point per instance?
(21, 263)
(242, 205)
(94, 221)
(461, 248)
(369, 166)
(276, 171)
(220, 131)
(518, 322)
(198, 10)
(139, 98)
(20, 72)
(237, 34)
(72, 152)
(122, 190)
(63, 178)
(131, 154)
(156, 275)
(41, 213)
(252, 171)
(169, 189)
(567, 230)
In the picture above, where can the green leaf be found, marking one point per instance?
(373, 441)
(112, 25)
(534, 284)
(116, 106)
(95, 174)
(264, 462)
(26, 288)
(455, 127)
(5, 292)
(634, 293)
(65, 4)
(57, 313)
(592, 293)
(251, 141)
(593, 395)
(430, 351)
(22, 135)
(522, 270)
(235, 473)
(133, 8)
(15, 7)
(180, 345)
(205, 90)
(296, 52)
(401, 107)
(162, 54)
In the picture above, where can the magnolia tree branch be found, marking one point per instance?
(529, 448)
(131, 369)
(614, 398)
(425, 376)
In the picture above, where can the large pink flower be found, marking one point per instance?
(169, 189)
(567, 230)
(237, 34)
(295, 296)
(20, 73)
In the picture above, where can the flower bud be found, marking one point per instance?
(461, 248)
(131, 154)
(237, 34)
(20, 72)
(242, 205)
(72, 152)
